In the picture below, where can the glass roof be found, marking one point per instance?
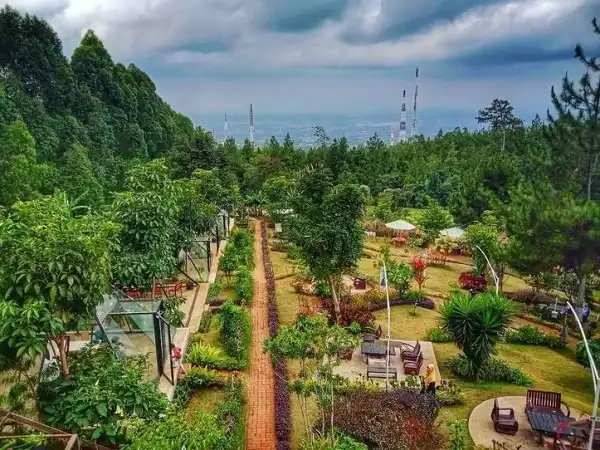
(118, 304)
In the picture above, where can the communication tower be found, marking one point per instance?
(226, 128)
(251, 126)
(402, 131)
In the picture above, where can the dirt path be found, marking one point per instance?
(260, 429)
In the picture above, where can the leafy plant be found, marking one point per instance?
(581, 353)
(433, 220)
(531, 335)
(173, 313)
(471, 282)
(399, 419)
(476, 325)
(195, 379)
(205, 322)
(438, 334)
(494, 369)
(235, 330)
(450, 395)
(459, 435)
(244, 285)
(103, 391)
(338, 442)
(210, 357)
(56, 268)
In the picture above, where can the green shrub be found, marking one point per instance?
(244, 286)
(214, 289)
(231, 414)
(531, 335)
(210, 357)
(494, 369)
(235, 330)
(450, 395)
(196, 378)
(438, 334)
(581, 353)
(205, 322)
(459, 435)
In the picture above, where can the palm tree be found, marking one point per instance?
(476, 325)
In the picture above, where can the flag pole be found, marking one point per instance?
(387, 298)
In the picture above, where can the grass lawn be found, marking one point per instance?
(281, 265)
(205, 400)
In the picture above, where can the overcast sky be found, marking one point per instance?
(336, 56)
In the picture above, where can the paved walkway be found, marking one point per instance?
(260, 430)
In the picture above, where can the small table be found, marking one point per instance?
(546, 422)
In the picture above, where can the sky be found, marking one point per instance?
(336, 56)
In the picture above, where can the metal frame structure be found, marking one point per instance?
(72, 441)
(120, 305)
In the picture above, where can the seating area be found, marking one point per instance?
(538, 420)
(405, 358)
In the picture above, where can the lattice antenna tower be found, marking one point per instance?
(251, 126)
(402, 130)
(414, 131)
(392, 142)
(226, 128)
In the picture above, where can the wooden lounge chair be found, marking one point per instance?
(413, 353)
(504, 420)
(370, 337)
(413, 367)
(545, 401)
(380, 372)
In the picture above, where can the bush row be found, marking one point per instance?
(495, 369)
(236, 331)
(282, 396)
(205, 322)
(530, 335)
(438, 334)
(202, 355)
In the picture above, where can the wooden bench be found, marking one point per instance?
(412, 354)
(545, 401)
(380, 372)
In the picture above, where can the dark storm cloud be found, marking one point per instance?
(286, 17)
(515, 52)
(399, 19)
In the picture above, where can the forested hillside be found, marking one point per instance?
(77, 124)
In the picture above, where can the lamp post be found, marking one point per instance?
(384, 280)
(595, 378)
(494, 275)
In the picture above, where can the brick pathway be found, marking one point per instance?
(260, 427)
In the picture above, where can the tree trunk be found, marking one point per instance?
(503, 140)
(61, 343)
(581, 291)
(336, 301)
(591, 170)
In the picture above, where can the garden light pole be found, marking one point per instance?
(595, 378)
(384, 279)
(494, 275)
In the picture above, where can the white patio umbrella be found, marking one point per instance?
(400, 225)
(454, 232)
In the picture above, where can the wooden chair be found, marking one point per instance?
(504, 420)
(370, 337)
(545, 401)
(413, 367)
(413, 353)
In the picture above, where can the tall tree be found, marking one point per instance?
(19, 172)
(576, 127)
(326, 227)
(55, 269)
(78, 178)
(499, 115)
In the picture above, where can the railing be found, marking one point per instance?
(497, 445)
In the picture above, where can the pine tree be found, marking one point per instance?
(575, 131)
(499, 115)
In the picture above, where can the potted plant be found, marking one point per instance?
(190, 285)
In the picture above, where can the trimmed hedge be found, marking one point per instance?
(236, 332)
(282, 396)
(530, 335)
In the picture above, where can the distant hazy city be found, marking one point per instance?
(356, 128)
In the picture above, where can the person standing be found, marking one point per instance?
(176, 358)
(429, 384)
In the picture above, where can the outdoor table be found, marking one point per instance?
(374, 349)
(546, 422)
